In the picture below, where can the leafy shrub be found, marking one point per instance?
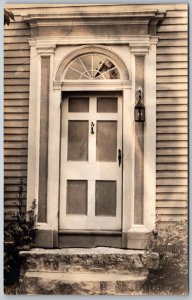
(8, 16)
(19, 235)
(172, 245)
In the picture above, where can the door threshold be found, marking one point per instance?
(89, 239)
(89, 232)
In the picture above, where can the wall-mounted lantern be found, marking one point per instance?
(139, 107)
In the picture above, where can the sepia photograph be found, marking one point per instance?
(96, 149)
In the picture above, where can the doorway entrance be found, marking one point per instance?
(91, 162)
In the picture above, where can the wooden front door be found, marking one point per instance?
(91, 162)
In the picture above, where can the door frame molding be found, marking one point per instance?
(131, 232)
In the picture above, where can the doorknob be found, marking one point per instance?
(119, 157)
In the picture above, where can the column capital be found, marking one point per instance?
(139, 48)
(46, 49)
(43, 47)
(154, 40)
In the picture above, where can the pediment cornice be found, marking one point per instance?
(112, 15)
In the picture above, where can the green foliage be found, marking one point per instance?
(172, 245)
(8, 16)
(19, 236)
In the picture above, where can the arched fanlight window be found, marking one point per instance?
(91, 66)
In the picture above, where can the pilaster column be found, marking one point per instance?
(137, 233)
(33, 142)
(41, 70)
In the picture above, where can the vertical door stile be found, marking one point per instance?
(92, 142)
(120, 147)
(63, 184)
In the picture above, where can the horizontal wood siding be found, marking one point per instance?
(172, 117)
(16, 110)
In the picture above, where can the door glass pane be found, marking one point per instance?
(107, 105)
(78, 105)
(78, 140)
(106, 141)
(105, 198)
(77, 197)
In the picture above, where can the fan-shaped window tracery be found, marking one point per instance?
(91, 66)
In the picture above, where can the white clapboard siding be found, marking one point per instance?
(18, 53)
(14, 95)
(172, 196)
(165, 123)
(16, 75)
(172, 93)
(172, 50)
(16, 46)
(16, 103)
(172, 137)
(172, 144)
(172, 58)
(19, 89)
(171, 210)
(172, 189)
(16, 123)
(10, 202)
(169, 106)
(17, 32)
(173, 28)
(172, 35)
(12, 181)
(16, 167)
(171, 65)
(17, 68)
(177, 13)
(175, 21)
(172, 115)
(16, 116)
(16, 145)
(16, 81)
(15, 39)
(12, 189)
(16, 109)
(173, 79)
(172, 129)
(12, 160)
(172, 87)
(171, 72)
(8, 110)
(15, 131)
(16, 61)
(171, 204)
(179, 159)
(175, 102)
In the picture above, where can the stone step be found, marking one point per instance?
(56, 283)
(101, 259)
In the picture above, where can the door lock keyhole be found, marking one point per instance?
(92, 126)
